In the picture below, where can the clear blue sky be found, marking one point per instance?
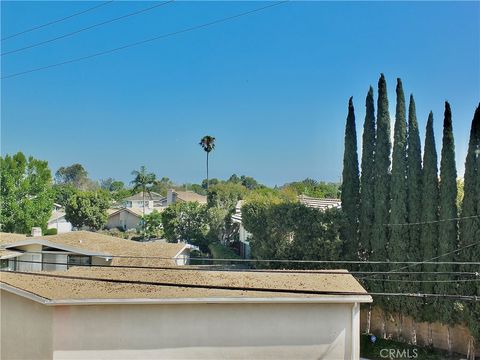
(272, 86)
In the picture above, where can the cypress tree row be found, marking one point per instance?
(414, 203)
(470, 228)
(447, 238)
(350, 186)
(429, 232)
(397, 248)
(367, 180)
(382, 175)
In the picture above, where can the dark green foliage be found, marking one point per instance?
(87, 209)
(367, 181)
(429, 233)
(52, 231)
(414, 204)
(350, 187)
(186, 221)
(26, 196)
(397, 248)
(470, 227)
(283, 229)
(153, 225)
(316, 189)
(63, 192)
(447, 239)
(382, 183)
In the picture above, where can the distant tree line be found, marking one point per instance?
(400, 208)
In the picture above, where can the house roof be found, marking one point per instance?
(190, 196)
(58, 214)
(178, 284)
(6, 238)
(321, 204)
(92, 243)
(148, 196)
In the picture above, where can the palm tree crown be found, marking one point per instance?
(142, 181)
(208, 144)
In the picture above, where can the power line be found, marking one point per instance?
(182, 268)
(241, 288)
(413, 263)
(141, 42)
(58, 20)
(86, 28)
(436, 221)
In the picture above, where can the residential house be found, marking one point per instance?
(58, 221)
(180, 314)
(151, 200)
(174, 196)
(84, 248)
(244, 235)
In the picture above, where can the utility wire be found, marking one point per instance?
(413, 263)
(436, 221)
(58, 20)
(242, 288)
(280, 271)
(141, 42)
(86, 28)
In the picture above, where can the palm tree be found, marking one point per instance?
(208, 144)
(143, 180)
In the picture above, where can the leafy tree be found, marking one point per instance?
(350, 186)
(313, 188)
(207, 182)
(382, 182)
(208, 144)
(447, 240)
(397, 249)
(153, 225)
(186, 221)
(143, 181)
(26, 193)
(63, 192)
(225, 195)
(429, 214)
(161, 186)
(367, 180)
(112, 185)
(87, 209)
(197, 188)
(249, 182)
(75, 175)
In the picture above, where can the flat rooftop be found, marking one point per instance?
(180, 283)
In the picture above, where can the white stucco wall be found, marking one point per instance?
(123, 218)
(186, 331)
(26, 328)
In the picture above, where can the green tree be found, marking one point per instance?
(26, 193)
(398, 246)
(414, 204)
(448, 232)
(186, 221)
(470, 226)
(143, 181)
(429, 214)
(75, 175)
(367, 180)
(225, 195)
(350, 186)
(87, 208)
(382, 184)
(63, 193)
(208, 145)
(153, 225)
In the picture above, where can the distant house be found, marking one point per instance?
(58, 221)
(311, 202)
(151, 314)
(84, 248)
(174, 196)
(124, 218)
(152, 200)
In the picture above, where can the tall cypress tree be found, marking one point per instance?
(397, 248)
(350, 186)
(382, 175)
(367, 180)
(414, 203)
(429, 214)
(470, 226)
(448, 236)
(414, 182)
